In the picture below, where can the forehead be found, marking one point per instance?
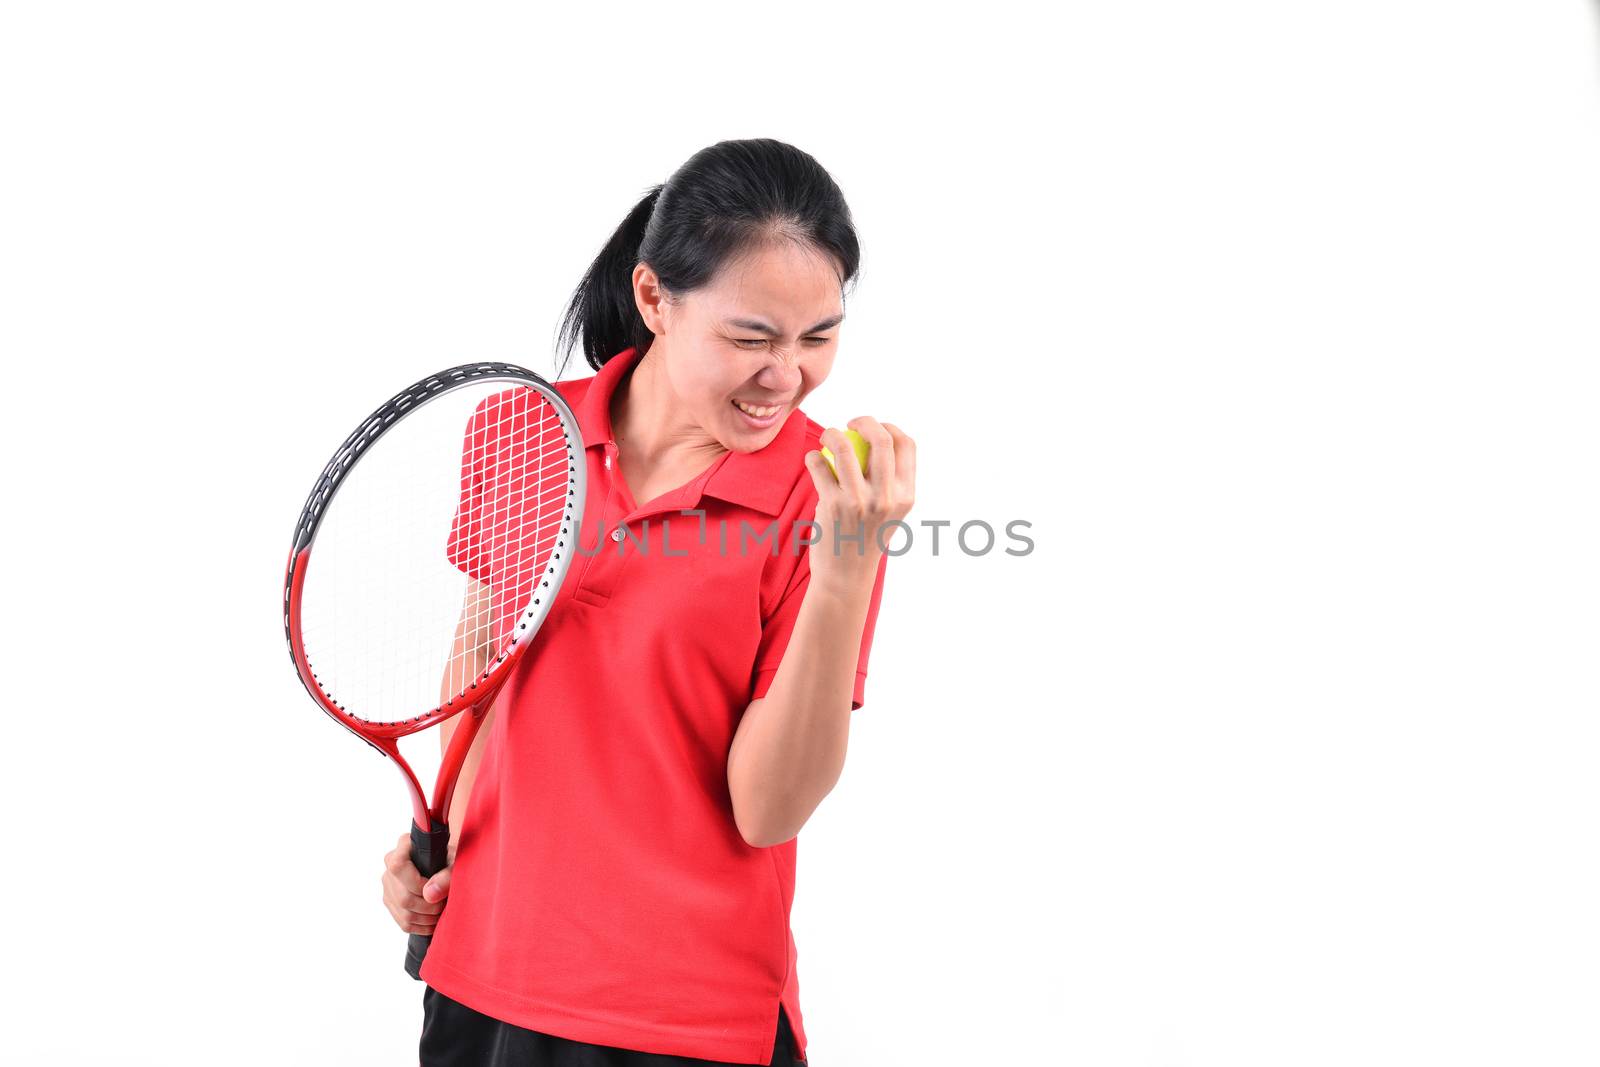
(783, 281)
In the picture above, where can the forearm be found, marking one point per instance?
(469, 769)
(790, 747)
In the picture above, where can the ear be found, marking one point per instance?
(650, 298)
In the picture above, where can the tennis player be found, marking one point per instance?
(624, 854)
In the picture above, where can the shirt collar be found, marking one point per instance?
(761, 480)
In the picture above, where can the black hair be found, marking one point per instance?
(725, 201)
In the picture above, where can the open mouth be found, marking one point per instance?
(759, 416)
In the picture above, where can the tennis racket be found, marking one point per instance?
(424, 561)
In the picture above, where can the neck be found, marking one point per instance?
(643, 410)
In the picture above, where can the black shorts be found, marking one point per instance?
(454, 1035)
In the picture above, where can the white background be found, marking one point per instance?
(1278, 321)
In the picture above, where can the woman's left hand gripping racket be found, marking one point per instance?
(426, 557)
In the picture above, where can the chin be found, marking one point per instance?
(746, 440)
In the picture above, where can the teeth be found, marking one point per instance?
(759, 413)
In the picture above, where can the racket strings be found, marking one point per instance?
(436, 546)
(514, 491)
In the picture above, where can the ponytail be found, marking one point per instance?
(602, 311)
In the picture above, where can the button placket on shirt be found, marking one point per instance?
(603, 569)
(601, 566)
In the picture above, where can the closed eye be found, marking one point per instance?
(747, 342)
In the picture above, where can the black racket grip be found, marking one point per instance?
(429, 854)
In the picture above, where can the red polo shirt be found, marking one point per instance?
(601, 890)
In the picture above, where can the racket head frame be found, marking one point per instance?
(481, 691)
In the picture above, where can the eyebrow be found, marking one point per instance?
(771, 331)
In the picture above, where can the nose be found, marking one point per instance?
(781, 374)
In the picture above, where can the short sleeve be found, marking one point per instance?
(465, 548)
(777, 629)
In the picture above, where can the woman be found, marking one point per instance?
(624, 867)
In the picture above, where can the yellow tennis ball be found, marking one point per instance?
(857, 443)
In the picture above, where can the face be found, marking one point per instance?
(742, 352)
